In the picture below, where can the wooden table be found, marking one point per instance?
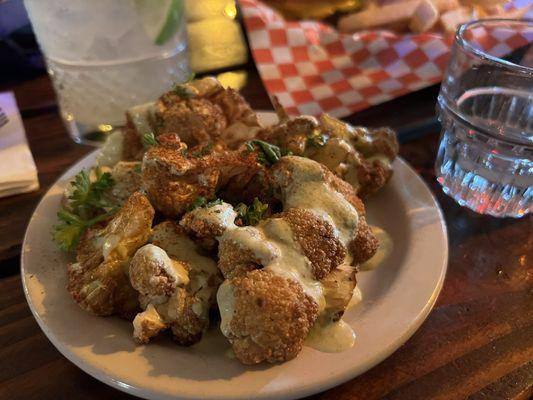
(476, 343)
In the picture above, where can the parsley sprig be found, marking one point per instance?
(267, 153)
(251, 215)
(85, 207)
(149, 140)
(317, 139)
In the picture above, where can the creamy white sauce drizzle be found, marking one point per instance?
(226, 306)
(272, 244)
(184, 249)
(385, 249)
(292, 263)
(221, 215)
(308, 190)
(357, 297)
(173, 268)
(331, 337)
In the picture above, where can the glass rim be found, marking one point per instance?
(465, 44)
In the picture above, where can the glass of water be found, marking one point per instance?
(485, 105)
(105, 56)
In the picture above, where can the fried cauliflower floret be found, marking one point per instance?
(202, 111)
(368, 166)
(173, 180)
(235, 256)
(304, 183)
(265, 317)
(205, 224)
(317, 239)
(176, 284)
(99, 280)
(361, 156)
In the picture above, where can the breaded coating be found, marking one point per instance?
(317, 240)
(338, 291)
(292, 174)
(99, 280)
(365, 244)
(235, 258)
(265, 317)
(153, 273)
(194, 120)
(361, 156)
(205, 224)
(178, 281)
(202, 111)
(174, 180)
(291, 134)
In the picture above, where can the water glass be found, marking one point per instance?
(485, 105)
(107, 56)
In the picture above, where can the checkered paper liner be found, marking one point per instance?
(314, 69)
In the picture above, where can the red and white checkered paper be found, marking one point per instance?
(312, 68)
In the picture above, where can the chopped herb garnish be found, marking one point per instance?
(86, 206)
(138, 168)
(267, 153)
(205, 150)
(201, 202)
(317, 139)
(149, 140)
(251, 215)
(184, 92)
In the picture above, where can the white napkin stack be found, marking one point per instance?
(18, 173)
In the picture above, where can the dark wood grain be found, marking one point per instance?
(477, 343)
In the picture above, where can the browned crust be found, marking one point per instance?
(365, 244)
(272, 317)
(103, 287)
(317, 240)
(188, 327)
(196, 120)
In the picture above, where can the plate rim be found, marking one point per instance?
(297, 392)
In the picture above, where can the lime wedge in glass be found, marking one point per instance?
(160, 18)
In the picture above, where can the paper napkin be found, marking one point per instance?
(18, 173)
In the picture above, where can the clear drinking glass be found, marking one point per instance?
(485, 105)
(105, 56)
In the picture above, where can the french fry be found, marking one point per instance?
(425, 17)
(450, 20)
(391, 16)
(445, 5)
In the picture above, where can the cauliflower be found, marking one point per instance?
(361, 156)
(296, 179)
(202, 111)
(265, 317)
(98, 280)
(205, 224)
(176, 286)
(173, 180)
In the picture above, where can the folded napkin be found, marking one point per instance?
(18, 173)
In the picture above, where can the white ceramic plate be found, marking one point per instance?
(397, 297)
